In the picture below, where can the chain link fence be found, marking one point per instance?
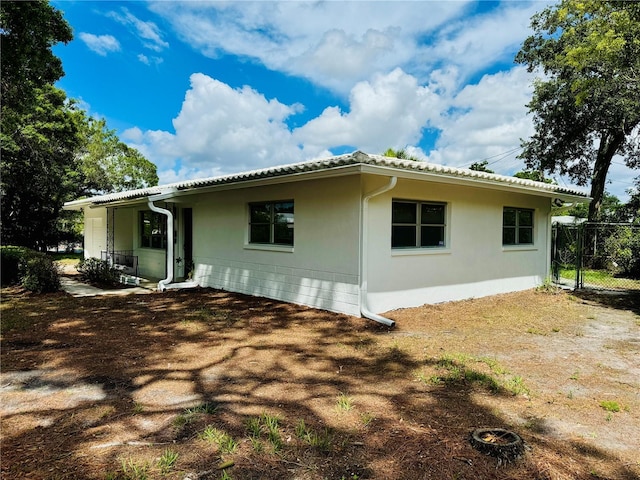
(601, 256)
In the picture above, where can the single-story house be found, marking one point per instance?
(357, 233)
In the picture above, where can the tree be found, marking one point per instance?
(535, 175)
(38, 137)
(29, 30)
(481, 167)
(108, 165)
(401, 154)
(587, 107)
(51, 151)
(38, 169)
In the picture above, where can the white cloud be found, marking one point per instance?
(150, 60)
(100, 44)
(334, 44)
(219, 130)
(391, 110)
(147, 31)
(485, 121)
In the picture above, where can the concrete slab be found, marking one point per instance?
(76, 288)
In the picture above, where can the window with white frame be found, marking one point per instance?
(417, 224)
(271, 223)
(517, 226)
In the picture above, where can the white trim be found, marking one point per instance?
(268, 247)
(405, 252)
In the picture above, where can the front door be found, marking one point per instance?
(187, 235)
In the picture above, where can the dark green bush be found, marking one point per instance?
(10, 259)
(623, 249)
(39, 273)
(94, 270)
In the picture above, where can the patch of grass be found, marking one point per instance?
(575, 375)
(269, 426)
(253, 427)
(133, 470)
(167, 461)
(366, 418)
(457, 369)
(225, 442)
(320, 440)
(610, 406)
(600, 278)
(516, 386)
(137, 408)
(536, 331)
(345, 403)
(208, 407)
(257, 445)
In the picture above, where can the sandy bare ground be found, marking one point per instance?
(108, 387)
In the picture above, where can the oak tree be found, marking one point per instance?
(586, 106)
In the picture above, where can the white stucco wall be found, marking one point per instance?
(474, 262)
(321, 270)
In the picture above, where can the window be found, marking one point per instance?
(153, 230)
(417, 224)
(517, 226)
(271, 223)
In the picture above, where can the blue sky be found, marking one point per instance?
(208, 88)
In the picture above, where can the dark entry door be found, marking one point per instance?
(187, 217)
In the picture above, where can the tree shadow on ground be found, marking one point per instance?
(619, 299)
(102, 387)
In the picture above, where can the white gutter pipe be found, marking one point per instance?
(162, 284)
(364, 254)
(166, 283)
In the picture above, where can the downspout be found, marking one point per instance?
(364, 254)
(162, 284)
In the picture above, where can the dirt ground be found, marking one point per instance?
(204, 384)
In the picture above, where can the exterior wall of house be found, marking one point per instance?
(124, 227)
(321, 270)
(474, 263)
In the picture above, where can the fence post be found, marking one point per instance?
(579, 250)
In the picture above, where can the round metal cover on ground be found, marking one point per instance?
(502, 444)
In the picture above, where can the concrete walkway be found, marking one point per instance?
(76, 288)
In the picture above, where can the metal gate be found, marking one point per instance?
(603, 256)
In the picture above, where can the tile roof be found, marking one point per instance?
(327, 164)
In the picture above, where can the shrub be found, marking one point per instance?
(10, 259)
(94, 270)
(623, 248)
(39, 273)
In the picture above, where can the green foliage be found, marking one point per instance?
(50, 151)
(481, 167)
(610, 406)
(535, 175)
(401, 154)
(108, 165)
(29, 30)
(94, 270)
(39, 273)
(133, 470)
(38, 168)
(35, 271)
(588, 106)
(623, 250)
(167, 461)
(10, 259)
